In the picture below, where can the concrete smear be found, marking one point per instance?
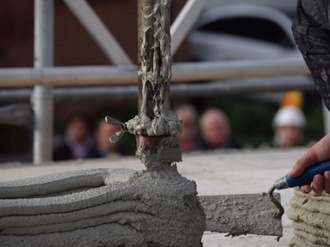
(103, 207)
(242, 214)
(155, 115)
(311, 219)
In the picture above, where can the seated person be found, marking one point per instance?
(77, 142)
(216, 130)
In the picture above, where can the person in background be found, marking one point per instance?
(77, 142)
(216, 130)
(103, 147)
(188, 139)
(288, 125)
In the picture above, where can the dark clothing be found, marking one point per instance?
(64, 149)
(231, 144)
(95, 152)
(311, 30)
(197, 146)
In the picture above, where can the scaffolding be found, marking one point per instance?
(45, 83)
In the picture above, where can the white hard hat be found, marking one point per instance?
(289, 116)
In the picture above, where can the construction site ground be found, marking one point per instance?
(216, 173)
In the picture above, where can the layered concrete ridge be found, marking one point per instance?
(101, 207)
(216, 173)
(311, 219)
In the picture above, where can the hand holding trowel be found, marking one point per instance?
(254, 213)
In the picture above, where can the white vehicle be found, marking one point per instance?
(236, 30)
(288, 7)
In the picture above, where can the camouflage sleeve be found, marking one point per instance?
(312, 35)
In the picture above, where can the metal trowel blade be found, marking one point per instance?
(242, 214)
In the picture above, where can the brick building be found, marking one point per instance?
(73, 45)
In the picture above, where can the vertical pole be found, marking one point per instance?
(326, 119)
(156, 125)
(42, 98)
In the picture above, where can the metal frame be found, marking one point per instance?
(42, 100)
(126, 74)
(125, 92)
(43, 77)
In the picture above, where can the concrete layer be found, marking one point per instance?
(138, 208)
(311, 219)
(242, 214)
(215, 173)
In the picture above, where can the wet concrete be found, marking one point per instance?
(239, 172)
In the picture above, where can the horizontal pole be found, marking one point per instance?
(122, 93)
(127, 74)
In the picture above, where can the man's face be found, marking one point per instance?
(77, 129)
(289, 136)
(216, 130)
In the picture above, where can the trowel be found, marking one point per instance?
(258, 214)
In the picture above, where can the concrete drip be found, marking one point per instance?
(154, 73)
(311, 222)
(156, 152)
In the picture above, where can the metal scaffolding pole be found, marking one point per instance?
(123, 93)
(42, 98)
(126, 74)
(185, 21)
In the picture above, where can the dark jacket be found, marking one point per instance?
(311, 30)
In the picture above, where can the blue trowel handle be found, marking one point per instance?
(305, 178)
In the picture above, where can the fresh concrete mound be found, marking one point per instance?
(311, 219)
(103, 207)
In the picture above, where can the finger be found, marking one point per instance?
(305, 188)
(327, 182)
(317, 153)
(318, 184)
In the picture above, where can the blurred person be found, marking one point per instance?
(103, 147)
(77, 142)
(188, 139)
(288, 125)
(216, 130)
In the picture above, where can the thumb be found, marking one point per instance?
(296, 171)
(301, 165)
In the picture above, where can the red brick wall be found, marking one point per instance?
(73, 45)
(16, 33)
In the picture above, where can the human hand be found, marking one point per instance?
(319, 152)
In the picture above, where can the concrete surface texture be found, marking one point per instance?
(130, 208)
(310, 215)
(215, 173)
